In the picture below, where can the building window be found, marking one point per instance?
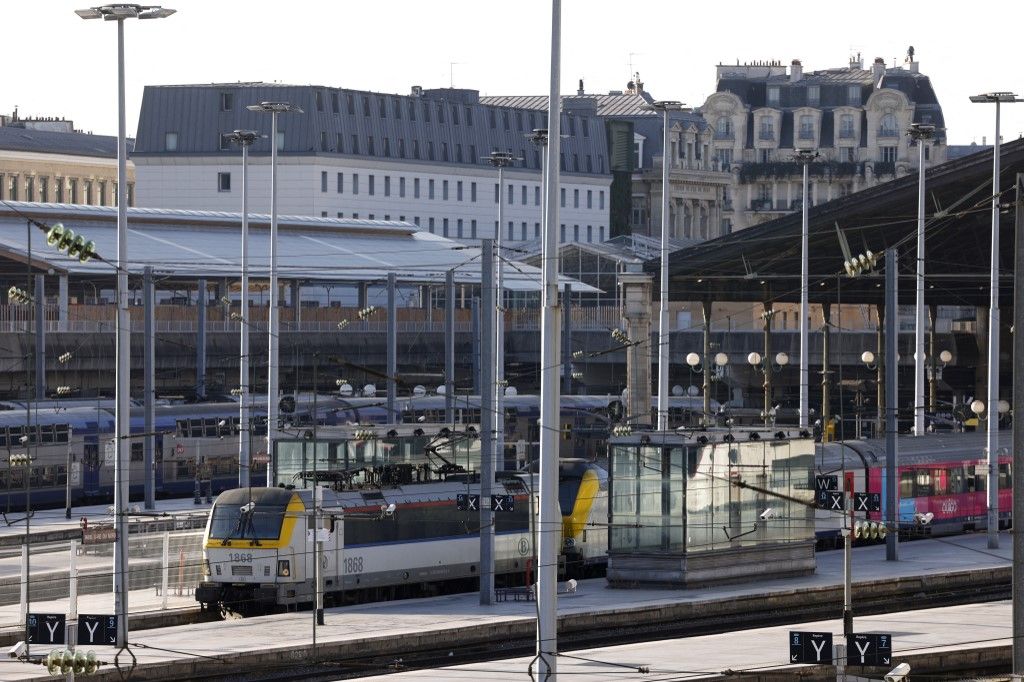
(350, 104)
(171, 142)
(30, 190)
(58, 189)
(430, 225)
(387, 185)
(575, 233)
(846, 126)
(590, 164)
(767, 128)
(458, 223)
(575, 198)
(523, 195)
(387, 147)
(846, 155)
(412, 110)
(458, 151)
(369, 146)
(455, 122)
(444, 151)
(444, 190)
(773, 95)
(511, 230)
(585, 124)
(590, 199)
(426, 112)
(472, 154)
(766, 155)
(511, 194)
(323, 181)
(853, 95)
(887, 154)
(86, 193)
(562, 197)
(724, 158)
(318, 96)
(458, 190)
(600, 200)
(341, 183)
(522, 230)
(323, 214)
(370, 184)
(73, 190)
(225, 141)
(340, 147)
(497, 193)
(813, 95)
(355, 144)
(334, 102)
(561, 234)
(430, 188)
(472, 191)
(600, 163)
(355, 183)
(504, 119)
(44, 189)
(430, 150)
(280, 140)
(444, 222)
(888, 126)
(472, 229)
(366, 105)
(323, 140)
(806, 127)
(590, 233)
(227, 101)
(536, 195)
(440, 119)
(401, 148)
(536, 230)
(401, 187)
(416, 188)
(383, 107)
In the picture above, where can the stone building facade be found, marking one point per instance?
(855, 118)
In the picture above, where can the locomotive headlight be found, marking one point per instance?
(284, 568)
(569, 543)
(206, 567)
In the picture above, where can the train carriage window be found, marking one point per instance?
(923, 485)
(906, 484)
(137, 452)
(940, 482)
(980, 483)
(46, 433)
(62, 433)
(957, 481)
(1005, 481)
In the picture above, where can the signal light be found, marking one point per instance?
(21, 296)
(64, 661)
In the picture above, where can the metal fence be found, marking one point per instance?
(163, 570)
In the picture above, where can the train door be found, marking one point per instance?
(91, 467)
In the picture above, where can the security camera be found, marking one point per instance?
(768, 513)
(387, 510)
(899, 673)
(23, 440)
(17, 651)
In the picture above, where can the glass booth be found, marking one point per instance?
(717, 505)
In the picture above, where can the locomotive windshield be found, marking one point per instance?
(249, 514)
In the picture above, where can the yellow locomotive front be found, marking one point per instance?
(251, 557)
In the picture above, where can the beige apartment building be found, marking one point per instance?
(46, 160)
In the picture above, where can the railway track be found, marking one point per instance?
(587, 630)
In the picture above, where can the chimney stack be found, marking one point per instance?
(580, 91)
(877, 71)
(796, 71)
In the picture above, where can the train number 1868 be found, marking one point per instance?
(243, 558)
(354, 564)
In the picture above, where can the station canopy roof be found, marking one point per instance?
(762, 263)
(188, 245)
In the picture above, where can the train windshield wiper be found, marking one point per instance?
(244, 524)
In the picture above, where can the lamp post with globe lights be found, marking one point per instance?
(766, 367)
(703, 365)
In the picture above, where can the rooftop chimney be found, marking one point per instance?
(580, 91)
(796, 71)
(877, 71)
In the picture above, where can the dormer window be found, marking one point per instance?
(773, 95)
(806, 127)
(723, 128)
(888, 126)
(846, 126)
(767, 128)
(853, 95)
(813, 95)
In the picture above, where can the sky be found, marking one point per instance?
(59, 65)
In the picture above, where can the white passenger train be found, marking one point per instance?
(383, 541)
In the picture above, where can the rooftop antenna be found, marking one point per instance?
(451, 73)
(631, 55)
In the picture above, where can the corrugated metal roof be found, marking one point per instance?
(53, 142)
(438, 126)
(611, 105)
(192, 244)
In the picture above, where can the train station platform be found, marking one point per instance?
(359, 637)
(50, 525)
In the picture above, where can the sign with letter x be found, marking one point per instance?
(466, 502)
(867, 502)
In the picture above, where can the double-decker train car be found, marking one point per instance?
(387, 531)
(942, 479)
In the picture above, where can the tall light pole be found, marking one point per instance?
(805, 157)
(664, 106)
(499, 160)
(122, 334)
(550, 523)
(992, 422)
(273, 108)
(920, 133)
(245, 138)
